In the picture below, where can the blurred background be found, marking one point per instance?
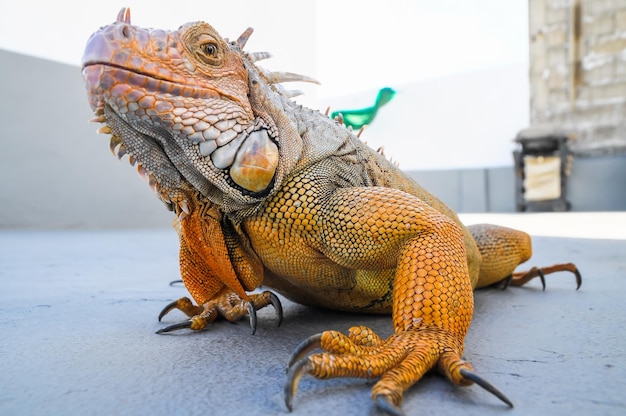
(499, 106)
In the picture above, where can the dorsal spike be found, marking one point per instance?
(259, 56)
(278, 77)
(288, 93)
(293, 93)
(124, 15)
(243, 38)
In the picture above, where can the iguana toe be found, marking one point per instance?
(183, 304)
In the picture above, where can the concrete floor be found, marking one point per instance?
(78, 315)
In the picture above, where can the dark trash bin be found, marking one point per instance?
(542, 163)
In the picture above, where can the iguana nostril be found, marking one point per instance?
(126, 32)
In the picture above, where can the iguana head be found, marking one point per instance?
(192, 110)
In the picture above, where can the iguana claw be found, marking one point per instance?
(295, 373)
(298, 366)
(278, 307)
(175, 327)
(386, 405)
(252, 317)
(485, 385)
(274, 301)
(305, 347)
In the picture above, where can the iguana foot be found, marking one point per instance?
(521, 278)
(400, 361)
(227, 305)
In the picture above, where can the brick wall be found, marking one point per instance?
(578, 71)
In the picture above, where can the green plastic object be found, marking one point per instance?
(361, 117)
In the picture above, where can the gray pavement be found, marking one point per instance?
(78, 315)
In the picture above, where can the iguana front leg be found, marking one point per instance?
(432, 295)
(209, 275)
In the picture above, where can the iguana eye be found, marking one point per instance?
(210, 49)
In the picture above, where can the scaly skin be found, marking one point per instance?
(267, 192)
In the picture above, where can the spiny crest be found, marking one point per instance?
(243, 38)
(124, 15)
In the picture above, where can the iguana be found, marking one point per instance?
(267, 192)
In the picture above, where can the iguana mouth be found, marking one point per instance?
(99, 75)
(119, 80)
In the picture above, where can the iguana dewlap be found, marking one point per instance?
(268, 192)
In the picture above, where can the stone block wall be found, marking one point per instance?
(578, 71)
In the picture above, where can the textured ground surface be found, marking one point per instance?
(78, 315)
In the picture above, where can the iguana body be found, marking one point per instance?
(268, 192)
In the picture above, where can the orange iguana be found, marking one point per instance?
(268, 192)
